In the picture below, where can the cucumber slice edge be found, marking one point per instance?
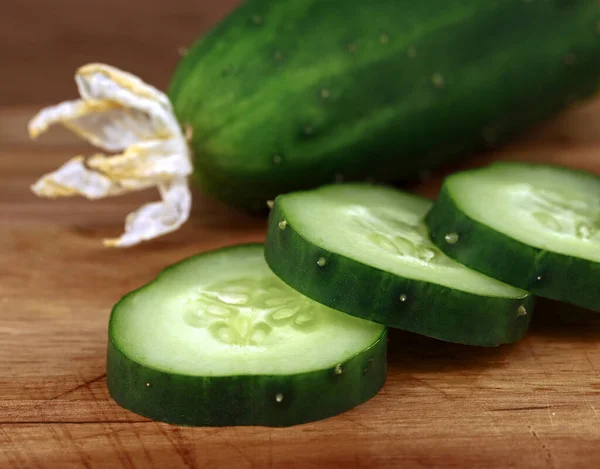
(365, 291)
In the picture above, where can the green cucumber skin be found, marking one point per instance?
(252, 85)
(544, 273)
(367, 292)
(245, 400)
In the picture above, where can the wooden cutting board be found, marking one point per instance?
(532, 405)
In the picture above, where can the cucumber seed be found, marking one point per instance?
(451, 238)
(438, 80)
(583, 231)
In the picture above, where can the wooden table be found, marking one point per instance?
(533, 405)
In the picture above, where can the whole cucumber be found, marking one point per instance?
(289, 94)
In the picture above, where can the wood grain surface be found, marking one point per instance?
(532, 405)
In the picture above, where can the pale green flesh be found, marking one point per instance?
(383, 228)
(545, 207)
(225, 313)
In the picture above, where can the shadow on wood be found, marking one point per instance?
(408, 352)
(564, 322)
(552, 321)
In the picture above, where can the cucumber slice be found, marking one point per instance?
(364, 249)
(219, 340)
(530, 225)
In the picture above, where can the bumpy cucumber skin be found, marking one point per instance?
(482, 248)
(243, 400)
(370, 293)
(287, 95)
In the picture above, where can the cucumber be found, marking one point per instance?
(530, 225)
(284, 95)
(219, 340)
(364, 250)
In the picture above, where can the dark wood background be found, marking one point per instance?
(531, 405)
(43, 42)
